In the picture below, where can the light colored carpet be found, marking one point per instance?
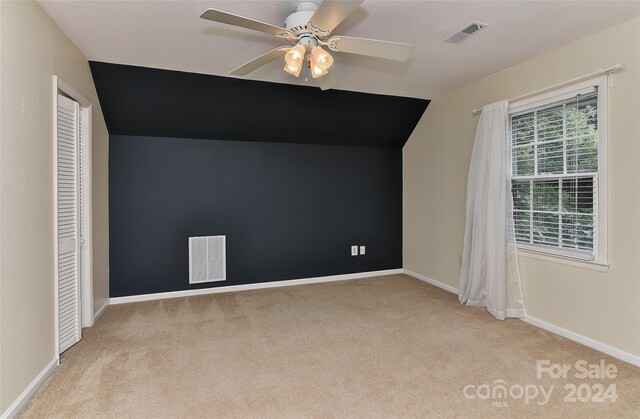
(379, 347)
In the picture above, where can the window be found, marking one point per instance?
(557, 173)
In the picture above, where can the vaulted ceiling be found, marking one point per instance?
(163, 103)
(170, 35)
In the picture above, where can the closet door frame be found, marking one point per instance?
(86, 246)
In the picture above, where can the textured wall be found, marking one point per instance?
(289, 211)
(601, 306)
(33, 49)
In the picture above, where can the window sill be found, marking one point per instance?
(578, 263)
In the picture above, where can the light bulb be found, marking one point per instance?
(323, 59)
(295, 53)
(294, 59)
(317, 69)
(293, 69)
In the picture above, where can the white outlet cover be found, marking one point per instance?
(354, 250)
(362, 250)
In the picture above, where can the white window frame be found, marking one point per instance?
(601, 249)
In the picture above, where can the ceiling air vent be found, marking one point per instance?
(464, 33)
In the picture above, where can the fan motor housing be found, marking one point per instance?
(308, 41)
(297, 21)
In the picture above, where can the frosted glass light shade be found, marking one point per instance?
(294, 59)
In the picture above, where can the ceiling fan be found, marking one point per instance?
(308, 29)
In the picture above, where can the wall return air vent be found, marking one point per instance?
(207, 259)
(464, 33)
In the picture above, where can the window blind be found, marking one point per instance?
(554, 175)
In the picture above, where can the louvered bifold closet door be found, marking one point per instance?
(68, 198)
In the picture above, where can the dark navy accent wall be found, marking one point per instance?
(292, 175)
(163, 103)
(289, 211)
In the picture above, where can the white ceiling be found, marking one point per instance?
(170, 35)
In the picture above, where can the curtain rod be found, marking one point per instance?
(611, 69)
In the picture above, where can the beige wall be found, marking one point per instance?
(32, 50)
(601, 306)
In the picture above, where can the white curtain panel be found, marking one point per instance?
(490, 274)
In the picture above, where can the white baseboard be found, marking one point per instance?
(592, 343)
(245, 287)
(432, 282)
(100, 311)
(28, 392)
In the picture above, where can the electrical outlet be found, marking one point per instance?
(354, 250)
(362, 250)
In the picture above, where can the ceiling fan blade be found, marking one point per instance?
(331, 13)
(328, 81)
(244, 22)
(256, 63)
(371, 47)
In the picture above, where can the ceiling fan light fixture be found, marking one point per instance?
(294, 59)
(317, 72)
(293, 69)
(308, 29)
(323, 59)
(295, 53)
(317, 69)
